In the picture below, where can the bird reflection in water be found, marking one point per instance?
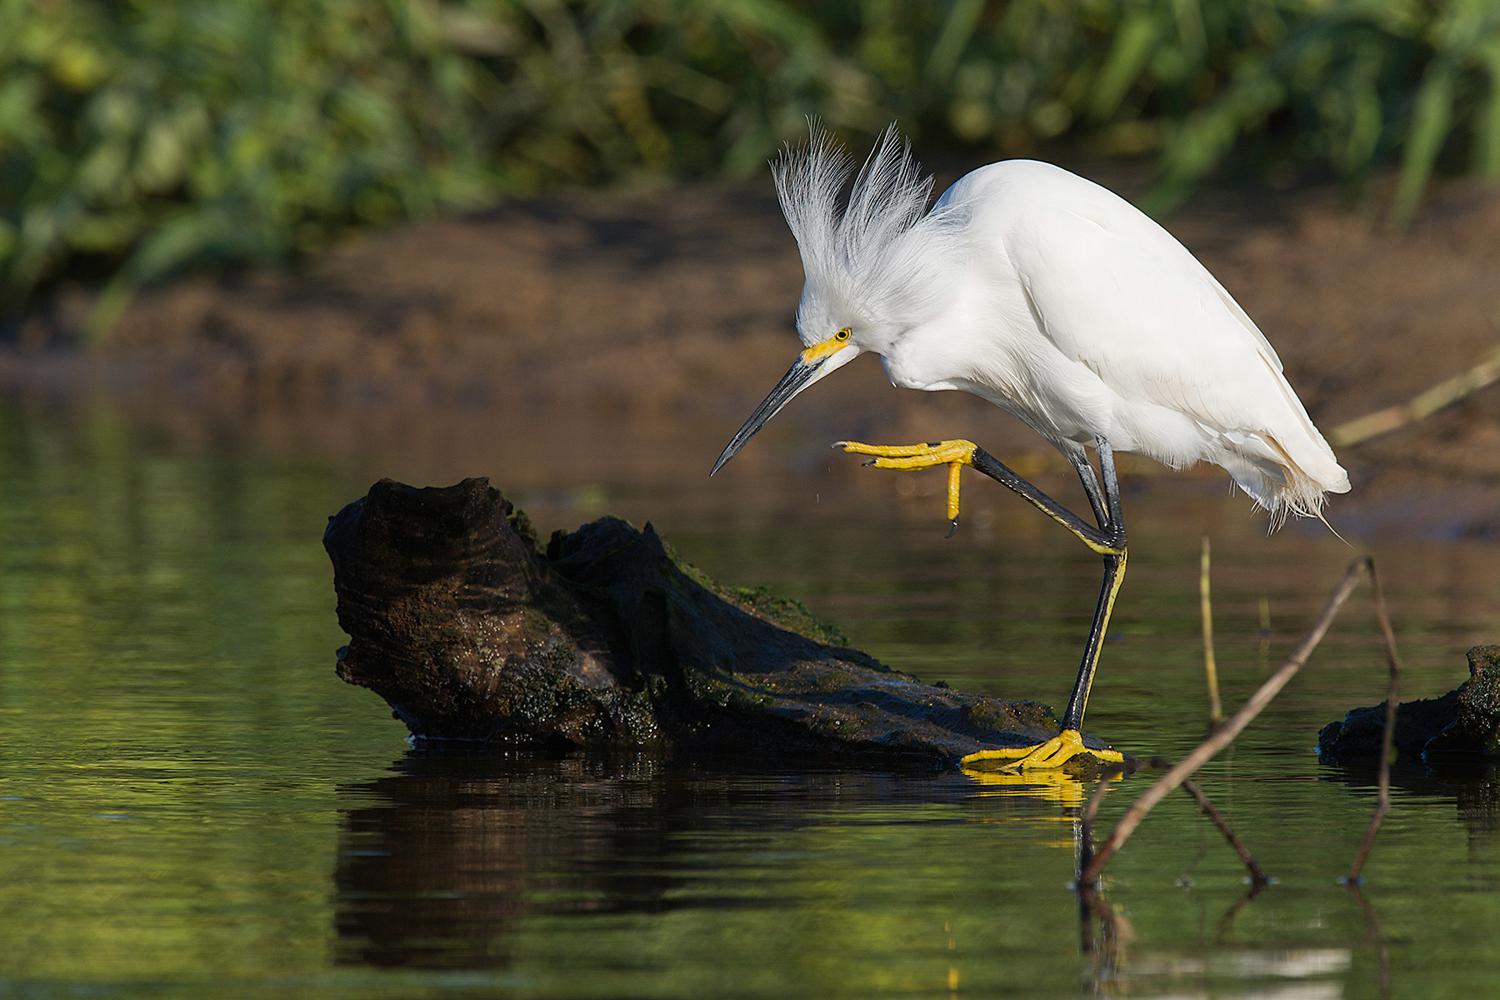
(441, 860)
(453, 862)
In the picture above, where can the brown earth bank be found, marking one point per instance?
(642, 327)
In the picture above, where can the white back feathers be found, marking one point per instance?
(877, 257)
(1055, 299)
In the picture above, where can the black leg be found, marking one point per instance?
(1100, 539)
(1111, 488)
(1114, 576)
(1090, 485)
(1108, 540)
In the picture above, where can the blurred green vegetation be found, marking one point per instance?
(136, 137)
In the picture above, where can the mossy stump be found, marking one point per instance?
(472, 631)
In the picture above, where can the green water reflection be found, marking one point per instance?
(191, 804)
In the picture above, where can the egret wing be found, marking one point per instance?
(1118, 294)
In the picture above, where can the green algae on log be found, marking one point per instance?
(1464, 723)
(472, 631)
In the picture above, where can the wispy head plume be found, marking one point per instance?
(878, 253)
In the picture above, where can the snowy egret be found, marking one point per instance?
(1062, 304)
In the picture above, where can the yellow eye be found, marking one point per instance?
(824, 348)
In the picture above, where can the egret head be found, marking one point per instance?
(872, 266)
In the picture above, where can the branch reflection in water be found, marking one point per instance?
(510, 865)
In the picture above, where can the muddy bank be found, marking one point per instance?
(471, 631)
(617, 327)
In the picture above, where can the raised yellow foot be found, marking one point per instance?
(954, 454)
(1052, 754)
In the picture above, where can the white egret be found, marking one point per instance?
(1062, 304)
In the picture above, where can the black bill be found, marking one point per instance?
(797, 378)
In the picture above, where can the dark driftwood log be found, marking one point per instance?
(1464, 723)
(471, 631)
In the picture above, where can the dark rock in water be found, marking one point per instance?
(1465, 722)
(1359, 734)
(1476, 729)
(471, 631)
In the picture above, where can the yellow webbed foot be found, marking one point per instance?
(913, 456)
(955, 454)
(1054, 753)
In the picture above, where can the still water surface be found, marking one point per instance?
(191, 804)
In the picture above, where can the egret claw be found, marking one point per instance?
(1053, 753)
(955, 454)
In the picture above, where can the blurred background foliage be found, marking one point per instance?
(138, 137)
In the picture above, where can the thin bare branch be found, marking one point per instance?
(1226, 733)
(1258, 874)
(1091, 807)
(1210, 667)
(1107, 943)
(1376, 937)
(1264, 645)
(1086, 823)
(1226, 922)
(1393, 663)
(1450, 390)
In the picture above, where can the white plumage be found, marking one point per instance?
(1060, 302)
(1054, 299)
